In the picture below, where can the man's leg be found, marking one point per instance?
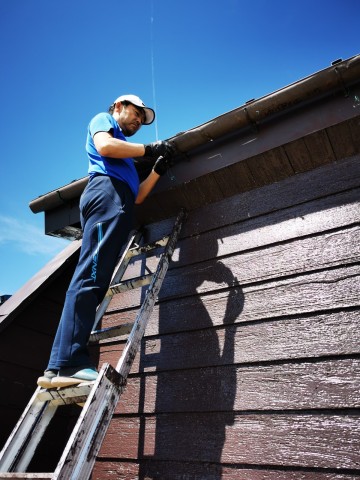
(103, 238)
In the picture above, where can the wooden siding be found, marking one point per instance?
(250, 366)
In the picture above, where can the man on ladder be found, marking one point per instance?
(106, 207)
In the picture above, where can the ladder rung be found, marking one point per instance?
(67, 395)
(110, 332)
(142, 280)
(133, 252)
(131, 284)
(135, 282)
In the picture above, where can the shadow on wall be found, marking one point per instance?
(196, 383)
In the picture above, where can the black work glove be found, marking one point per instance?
(159, 149)
(162, 165)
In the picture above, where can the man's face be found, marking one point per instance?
(129, 117)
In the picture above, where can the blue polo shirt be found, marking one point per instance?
(121, 168)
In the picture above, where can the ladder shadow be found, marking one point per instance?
(196, 384)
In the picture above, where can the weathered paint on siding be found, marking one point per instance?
(250, 365)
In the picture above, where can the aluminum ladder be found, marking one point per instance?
(99, 398)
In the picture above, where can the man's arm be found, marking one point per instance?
(108, 146)
(161, 166)
(146, 186)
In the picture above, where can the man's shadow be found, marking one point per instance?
(195, 401)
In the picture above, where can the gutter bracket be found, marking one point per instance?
(342, 82)
(253, 123)
(61, 198)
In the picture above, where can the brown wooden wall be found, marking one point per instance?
(250, 366)
(25, 346)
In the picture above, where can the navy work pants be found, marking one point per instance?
(106, 207)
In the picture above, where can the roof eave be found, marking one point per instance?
(339, 76)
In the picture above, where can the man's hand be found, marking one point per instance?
(162, 165)
(159, 149)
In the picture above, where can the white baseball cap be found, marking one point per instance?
(149, 112)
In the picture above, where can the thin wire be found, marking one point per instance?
(152, 66)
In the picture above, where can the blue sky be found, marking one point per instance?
(64, 61)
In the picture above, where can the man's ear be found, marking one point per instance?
(118, 107)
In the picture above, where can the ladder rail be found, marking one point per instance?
(79, 455)
(132, 345)
(27, 428)
(40, 428)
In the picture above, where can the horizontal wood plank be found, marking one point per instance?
(316, 441)
(337, 334)
(122, 470)
(315, 292)
(330, 384)
(290, 258)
